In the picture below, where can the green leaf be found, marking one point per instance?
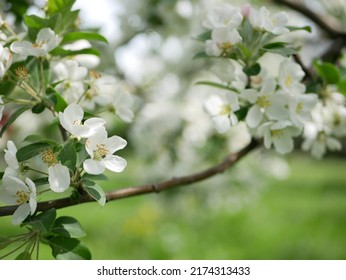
(41, 181)
(23, 256)
(31, 150)
(327, 71)
(36, 23)
(297, 28)
(280, 48)
(90, 36)
(252, 70)
(95, 191)
(66, 248)
(214, 84)
(58, 6)
(35, 138)
(56, 99)
(68, 227)
(12, 118)
(62, 52)
(42, 222)
(38, 108)
(82, 153)
(342, 86)
(204, 36)
(99, 177)
(68, 155)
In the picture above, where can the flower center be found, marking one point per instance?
(22, 197)
(277, 133)
(225, 46)
(48, 157)
(101, 152)
(288, 81)
(77, 122)
(299, 108)
(225, 110)
(263, 102)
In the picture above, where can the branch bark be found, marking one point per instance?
(228, 162)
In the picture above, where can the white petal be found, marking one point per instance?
(254, 116)
(115, 163)
(21, 213)
(283, 145)
(94, 167)
(58, 177)
(222, 123)
(115, 143)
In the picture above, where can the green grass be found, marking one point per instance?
(303, 217)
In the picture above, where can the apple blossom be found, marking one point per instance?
(71, 75)
(223, 16)
(222, 41)
(290, 76)
(71, 120)
(58, 174)
(46, 41)
(13, 191)
(280, 134)
(221, 108)
(101, 150)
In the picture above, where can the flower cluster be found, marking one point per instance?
(58, 78)
(274, 106)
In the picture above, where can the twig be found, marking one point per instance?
(228, 162)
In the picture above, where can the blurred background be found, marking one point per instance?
(267, 207)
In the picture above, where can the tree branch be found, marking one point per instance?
(228, 162)
(339, 37)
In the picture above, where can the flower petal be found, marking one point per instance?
(21, 213)
(58, 177)
(115, 163)
(94, 167)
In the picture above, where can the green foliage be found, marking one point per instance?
(12, 118)
(327, 72)
(90, 36)
(68, 155)
(31, 150)
(95, 191)
(42, 222)
(68, 227)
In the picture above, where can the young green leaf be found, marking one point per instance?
(42, 222)
(12, 118)
(252, 70)
(68, 155)
(62, 52)
(90, 36)
(95, 191)
(214, 84)
(327, 71)
(31, 150)
(68, 227)
(66, 248)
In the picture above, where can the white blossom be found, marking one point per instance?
(15, 192)
(279, 134)
(2, 107)
(101, 150)
(222, 41)
(275, 24)
(71, 75)
(300, 107)
(221, 108)
(223, 16)
(290, 76)
(71, 120)
(46, 41)
(58, 174)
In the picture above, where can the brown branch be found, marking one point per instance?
(339, 37)
(228, 162)
(331, 31)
